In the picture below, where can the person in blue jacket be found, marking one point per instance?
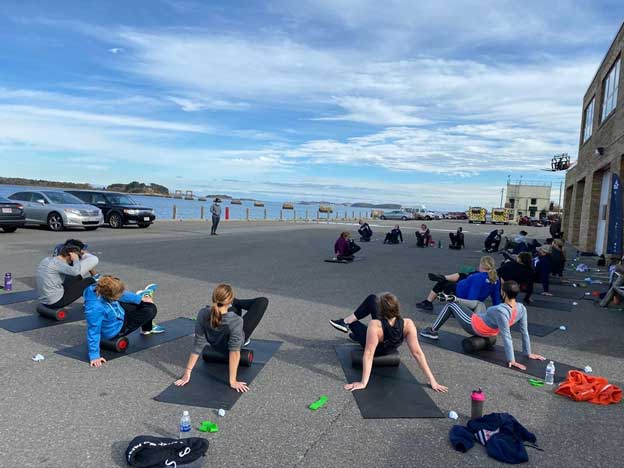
(475, 286)
(543, 268)
(111, 311)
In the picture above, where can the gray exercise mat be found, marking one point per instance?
(8, 298)
(174, 329)
(209, 385)
(392, 392)
(35, 321)
(536, 329)
(550, 305)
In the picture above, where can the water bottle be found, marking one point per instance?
(185, 425)
(477, 399)
(550, 373)
(8, 282)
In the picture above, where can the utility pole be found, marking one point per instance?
(560, 189)
(502, 195)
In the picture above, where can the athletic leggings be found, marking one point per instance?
(255, 311)
(137, 315)
(448, 287)
(461, 313)
(215, 224)
(366, 308)
(73, 287)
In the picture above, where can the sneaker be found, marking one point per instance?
(149, 290)
(97, 276)
(156, 329)
(436, 277)
(425, 305)
(340, 325)
(429, 333)
(247, 342)
(446, 297)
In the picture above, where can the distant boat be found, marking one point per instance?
(202, 199)
(178, 194)
(236, 202)
(189, 195)
(326, 209)
(258, 203)
(288, 206)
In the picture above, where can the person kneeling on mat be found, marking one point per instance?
(394, 236)
(223, 327)
(345, 248)
(423, 236)
(386, 332)
(112, 312)
(365, 231)
(496, 320)
(493, 240)
(457, 239)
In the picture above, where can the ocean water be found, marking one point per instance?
(191, 209)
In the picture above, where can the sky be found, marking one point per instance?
(434, 103)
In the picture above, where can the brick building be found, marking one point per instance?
(601, 152)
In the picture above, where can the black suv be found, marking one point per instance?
(119, 208)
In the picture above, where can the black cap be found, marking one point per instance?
(76, 243)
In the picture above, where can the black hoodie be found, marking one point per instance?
(153, 452)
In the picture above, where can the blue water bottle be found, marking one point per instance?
(185, 425)
(8, 282)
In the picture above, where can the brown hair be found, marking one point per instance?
(222, 294)
(525, 259)
(489, 265)
(66, 250)
(389, 306)
(345, 234)
(110, 288)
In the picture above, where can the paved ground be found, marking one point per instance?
(61, 413)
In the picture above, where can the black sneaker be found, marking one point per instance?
(425, 305)
(429, 333)
(340, 325)
(436, 277)
(247, 342)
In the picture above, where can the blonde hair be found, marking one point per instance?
(110, 288)
(389, 306)
(489, 265)
(222, 294)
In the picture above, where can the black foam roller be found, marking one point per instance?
(478, 343)
(54, 314)
(386, 360)
(119, 344)
(210, 355)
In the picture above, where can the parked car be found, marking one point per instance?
(396, 214)
(119, 208)
(58, 210)
(11, 215)
(457, 215)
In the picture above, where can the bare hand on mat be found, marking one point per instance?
(97, 362)
(438, 388)
(183, 380)
(537, 357)
(240, 387)
(518, 365)
(354, 386)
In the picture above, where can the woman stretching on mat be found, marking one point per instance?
(496, 320)
(475, 286)
(386, 332)
(345, 248)
(223, 327)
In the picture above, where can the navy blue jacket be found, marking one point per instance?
(542, 271)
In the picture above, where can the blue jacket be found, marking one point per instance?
(478, 287)
(543, 268)
(104, 319)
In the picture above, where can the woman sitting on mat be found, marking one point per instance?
(520, 270)
(457, 239)
(423, 236)
(496, 320)
(345, 248)
(475, 286)
(386, 332)
(111, 311)
(394, 236)
(223, 327)
(558, 258)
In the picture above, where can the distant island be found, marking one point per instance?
(385, 206)
(43, 183)
(140, 188)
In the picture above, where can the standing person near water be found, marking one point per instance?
(215, 209)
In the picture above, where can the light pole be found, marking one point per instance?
(502, 195)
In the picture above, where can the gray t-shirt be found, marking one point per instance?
(51, 274)
(215, 209)
(229, 336)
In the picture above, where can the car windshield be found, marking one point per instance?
(62, 198)
(116, 199)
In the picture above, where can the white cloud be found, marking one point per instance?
(195, 105)
(116, 50)
(376, 112)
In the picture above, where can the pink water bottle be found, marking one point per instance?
(8, 282)
(477, 398)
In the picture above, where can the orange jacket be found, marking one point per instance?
(579, 386)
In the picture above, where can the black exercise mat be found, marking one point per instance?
(536, 329)
(35, 321)
(550, 305)
(16, 297)
(356, 259)
(453, 342)
(392, 392)
(209, 385)
(174, 329)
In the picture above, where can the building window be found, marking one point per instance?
(512, 203)
(533, 201)
(610, 90)
(589, 120)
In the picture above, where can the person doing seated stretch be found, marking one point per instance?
(423, 236)
(475, 286)
(112, 311)
(386, 332)
(345, 248)
(223, 328)
(520, 270)
(457, 239)
(394, 236)
(365, 231)
(493, 321)
(493, 240)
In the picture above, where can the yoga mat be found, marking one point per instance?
(453, 342)
(174, 329)
(356, 259)
(550, 305)
(209, 385)
(392, 392)
(36, 321)
(16, 297)
(536, 329)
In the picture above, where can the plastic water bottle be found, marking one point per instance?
(550, 373)
(477, 400)
(8, 282)
(185, 425)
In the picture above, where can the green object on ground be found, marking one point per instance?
(319, 403)
(208, 426)
(466, 269)
(536, 382)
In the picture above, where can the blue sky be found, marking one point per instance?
(395, 101)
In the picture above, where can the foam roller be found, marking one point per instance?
(118, 345)
(385, 360)
(210, 355)
(54, 314)
(478, 343)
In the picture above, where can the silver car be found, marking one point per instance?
(58, 210)
(396, 214)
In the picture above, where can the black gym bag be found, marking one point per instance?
(153, 452)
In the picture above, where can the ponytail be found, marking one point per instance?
(388, 305)
(222, 294)
(489, 265)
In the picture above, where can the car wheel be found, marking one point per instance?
(404, 218)
(115, 221)
(469, 222)
(9, 228)
(382, 218)
(144, 225)
(428, 218)
(55, 222)
(91, 228)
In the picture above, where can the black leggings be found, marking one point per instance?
(353, 249)
(73, 287)
(366, 308)
(215, 224)
(137, 315)
(448, 287)
(255, 311)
